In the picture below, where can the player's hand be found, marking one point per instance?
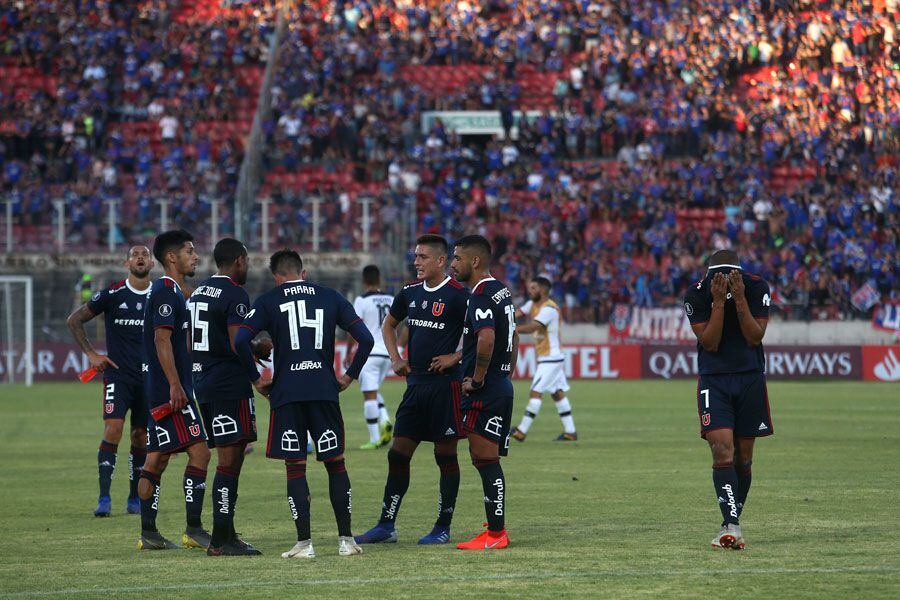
(719, 288)
(263, 385)
(468, 386)
(443, 362)
(101, 362)
(177, 398)
(401, 367)
(344, 382)
(262, 349)
(736, 285)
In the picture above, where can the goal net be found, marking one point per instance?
(16, 329)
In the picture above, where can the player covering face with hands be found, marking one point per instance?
(728, 311)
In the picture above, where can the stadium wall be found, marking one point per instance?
(62, 361)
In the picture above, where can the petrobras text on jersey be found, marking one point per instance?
(424, 323)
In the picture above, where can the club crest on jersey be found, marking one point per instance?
(706, 418)
(424, 303)
(109, 408)
(194, 429)
(241, 310)
(437, 308)
(165, 310)
(140, 305)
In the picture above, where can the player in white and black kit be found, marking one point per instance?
(372, 307)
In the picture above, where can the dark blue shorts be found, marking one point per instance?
(176, 431)
(430, 412)
(119, 397)
(736, 401)
(289, 423)
(229, 422)
(490, 417)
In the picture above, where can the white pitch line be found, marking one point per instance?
(451, 578)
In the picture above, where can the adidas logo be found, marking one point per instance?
(412, 304)
(449, 431)
(762, 427)
(124, 305)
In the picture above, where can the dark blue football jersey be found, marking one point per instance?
(301, 318)
(491, 306)
(734, 355)
(434, 317)
(216, 304)
(166, 307)
(123, 312)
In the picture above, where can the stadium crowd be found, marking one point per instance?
(660, 130)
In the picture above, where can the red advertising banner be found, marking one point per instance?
(782, 362)
(58, 361)
(881, 363)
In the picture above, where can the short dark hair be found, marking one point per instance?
(435, 241)
(285, 261)
(723, 257)
(371, 275)
(478, 242)
(227, 251)
(169, 241)
(543, 282)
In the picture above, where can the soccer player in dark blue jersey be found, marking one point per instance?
(174, 425)
(490, 348)
(122, 305)
(434, 308)
(218, 306)
(728, 311)
(303, 394)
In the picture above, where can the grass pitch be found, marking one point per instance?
(627, 511)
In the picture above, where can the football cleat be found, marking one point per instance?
(133, 506)
(371, 445)
(566, 437)
(486, 540)
(231, 548)
(104, 507)
(347, 546)
(382, 533)
(517, 435)
(438, 535)
(195, 537)
(302, 549)
(153, 540)
(729, 537)
(387, 430)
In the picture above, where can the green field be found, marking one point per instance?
(627, 511)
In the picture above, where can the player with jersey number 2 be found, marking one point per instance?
(301, 317)
(490, 348)
(728, 311)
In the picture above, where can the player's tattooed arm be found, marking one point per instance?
(76, 322)
(514, 356)
(752, 329)
(709, 334)
(484, 350)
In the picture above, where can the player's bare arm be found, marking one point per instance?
(76, 322)
(753, 329)
(389, 331)
(162, 339)
(709, 334)
(484, 352)
(530, 327)
(514, 358)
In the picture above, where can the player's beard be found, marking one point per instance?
(140, 274)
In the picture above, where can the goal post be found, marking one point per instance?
(17, 329)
